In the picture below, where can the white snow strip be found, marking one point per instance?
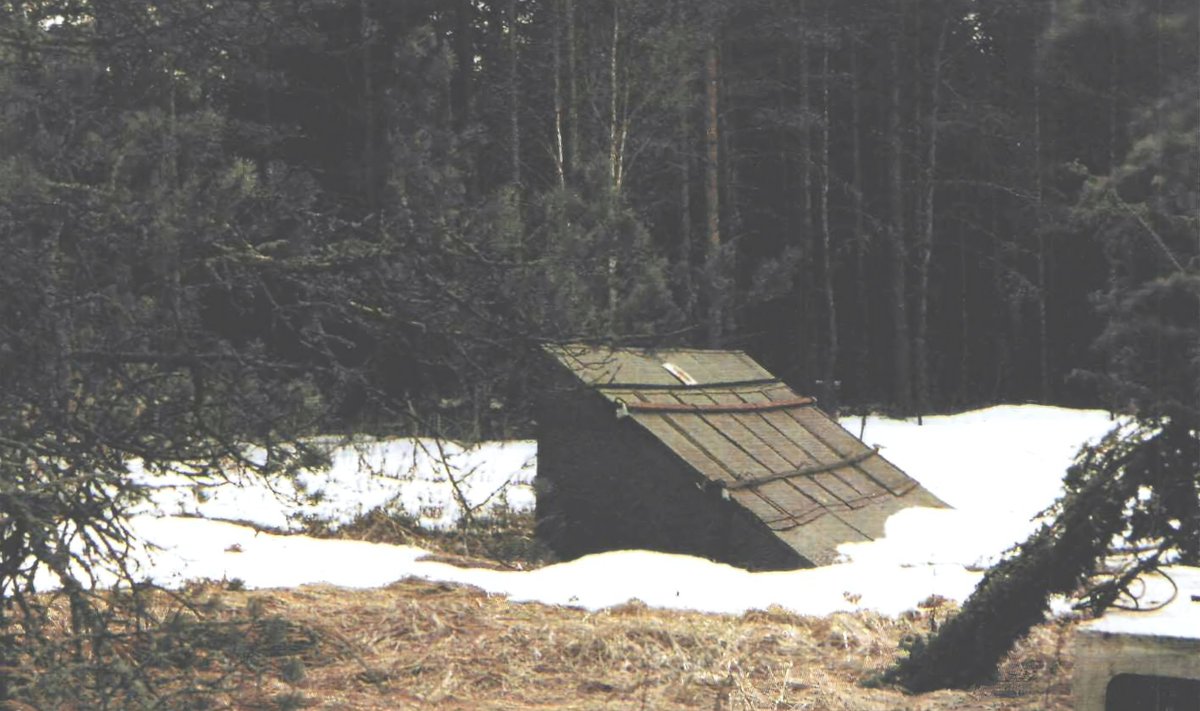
(999, 467)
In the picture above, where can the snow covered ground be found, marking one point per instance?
(998, 467)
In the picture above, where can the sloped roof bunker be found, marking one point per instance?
(702, 452)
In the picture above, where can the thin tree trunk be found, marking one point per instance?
(925, 234)
(861, 242)
(572, 157)
(808, 354)
(712, 194)
(614, 86)
(964, 316)
(464, 60)
(1039, 229)
(614, 158)
(559, 156)
(685, 212)
(369, 159)
(514, 104)
(805, 132)
(896, 229)
(461, 87)
(831, 357)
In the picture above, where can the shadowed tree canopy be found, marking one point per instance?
(1141, 486)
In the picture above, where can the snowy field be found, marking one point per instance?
(998, 467)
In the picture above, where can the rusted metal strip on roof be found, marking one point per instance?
(803, 471)
(713, 408)
(803, 518)
(716, 385)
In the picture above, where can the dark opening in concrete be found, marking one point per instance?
(1136, 692)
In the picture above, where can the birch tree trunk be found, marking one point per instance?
(560, 159)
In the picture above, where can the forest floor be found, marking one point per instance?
(417, 644)
(422, 645)
(425, 645)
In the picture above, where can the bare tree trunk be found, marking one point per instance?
(461, 85)
(1039, 229)
(805, 133)
(712, 194)
(464, 60)
(618, 134)
(925, 233)
(861, 242)
(572, 157)
(615, 139)
(831, 354)
(809, 356)
(614, 167)
(685, 212)
(964, 316)
(514, 104)
(559, 156)
(367, 30)
(896, 232)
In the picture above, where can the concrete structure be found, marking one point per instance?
(702, 452)
(1144, 661)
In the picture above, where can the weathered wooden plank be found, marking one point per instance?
(825, 441)
(686, 449)
(773, 438)
(764, 509)
(817, 446)
(716, 367)
(706, 431)
(920, 496)
(888, 475)
(818, 540)
(803, 450)
(870, 520)
(801, 472)
(790, 499)
(737, 430)
(757, 503)
(707, 450)
(878, 469)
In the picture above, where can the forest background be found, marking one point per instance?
(377, 210)
(228, 226)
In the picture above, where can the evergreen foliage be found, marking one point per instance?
(1126, 488)
(1133, 501)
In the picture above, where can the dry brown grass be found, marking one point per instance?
(503, 539)
(422, 645)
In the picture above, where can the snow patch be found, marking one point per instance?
(999, 467)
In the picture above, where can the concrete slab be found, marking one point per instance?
(1159, 643)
